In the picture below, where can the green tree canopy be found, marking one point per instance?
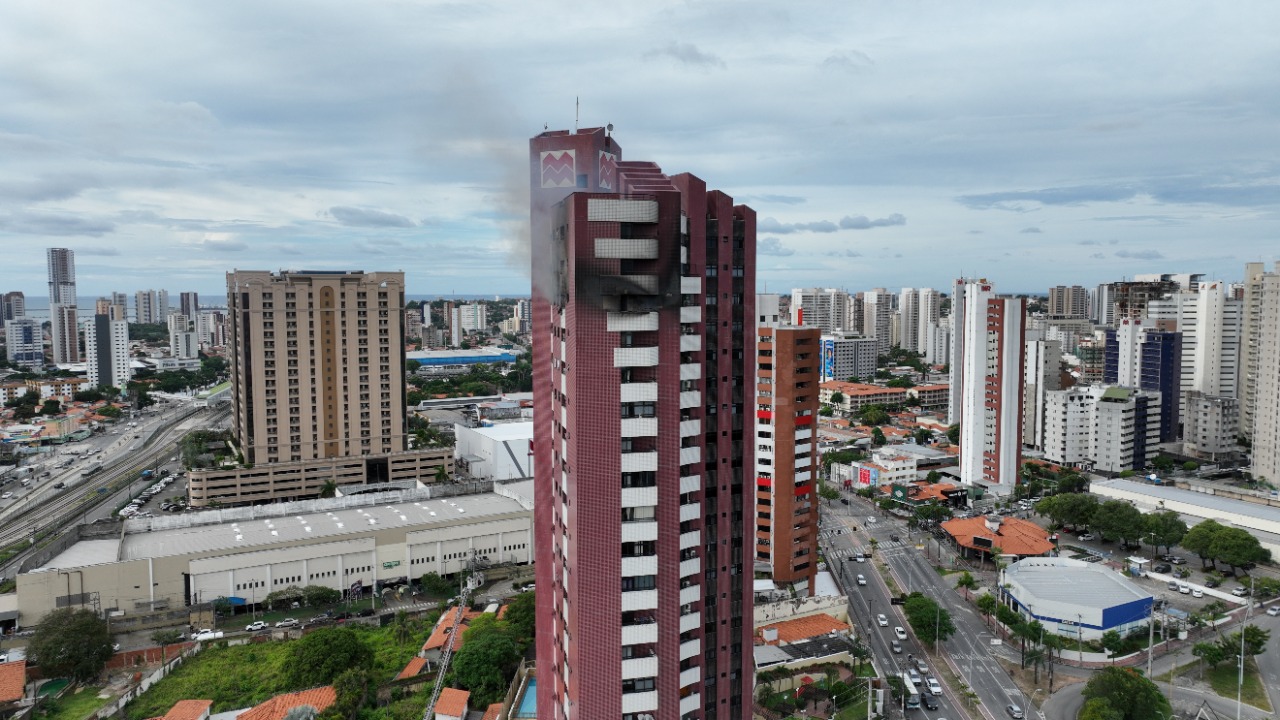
(1165, 528)
(1255, 642)
(521, 616)
(1237, 547)
(1099, 709)
(1199, 539)
(351, 694)
(1118, 520)
(837, 398)
(71, 643)
(873, 415)
(877, 437)
(928, 619)
(1131, 695)
(1211, 653)
(485, 662)
(322, 655)
(953, 434)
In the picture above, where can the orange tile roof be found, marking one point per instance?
(1015, 537)
(13, 681)
(852, 389)
(923, 388)
(444, 628)
(803, 628)
(188, 710)
(413, 669)
(492, 712)
(452, 702)
(277, 707)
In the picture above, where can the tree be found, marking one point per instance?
(873, 415)
(826, 411)
(1118, 520)
(1211, 653)
(321, 656)
(51, 407)
(442, 474)
(1163, 463)
(1099, 709)
(1255, 642)
(485, 662)
(166, 637)
(922, 437)
(319, 595)
(930, 621)
(1130, 695)
(933, 477)
(953, 434)
(1190, 466)
(877, 437)
(351, 693)
(521, 616)
(1165, 528)
(71, 643)
(329, 488)
(837, 398)
(988, 604)
(1199, 539)
(1113, 643)
(1073, 482)
(1237, 548)
(967, 582)
(900, 382)
(433, 584)
(110, 411)
(827, 492)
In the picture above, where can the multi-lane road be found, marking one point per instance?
(83, 498)
(967, 656)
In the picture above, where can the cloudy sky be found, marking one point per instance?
(882, 144)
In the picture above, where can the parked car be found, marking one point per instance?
(882, 620)
(1083, 538)
(1212, 582)
(366, 612)
(1184, 588)
(1173, 585)
(207, 635)
(1161, 568)
(1176, 560)
(1274, 610)
(1197, 593)
(287, 623)
(1240, 591)
(255, 626)
(59, 485)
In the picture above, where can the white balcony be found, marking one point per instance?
(639, 600)
(805, 434)
(690, 594)
(638, 392)
(637, 566)
(631, 321)
(690, 427)
(692, 566)
(803, 477)
(619, 210)
(639, 634)
(690, 512)
(639, 531)
(691, 455)
(640, 667)
(691, 371)
(689, 648)
(640, 702)
(690, 621)
(691, 314)
(639, 462)
(690, 702)
(690, 483)
(639, 427)
(690, 343)
(693, 538)
(690, 676)
(627, 248)
(690, 398)
(803, 462)
(690, 285)
(639, 497)
(636, 356)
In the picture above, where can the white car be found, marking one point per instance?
(287, 623)
(862, 580)
(934, 688)
(6, 496)
(1184, 588)
(255, 626)
(884, 621)
(1197, 593)
(900, 633)
(1274, 610)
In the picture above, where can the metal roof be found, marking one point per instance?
(1076, 581)
(332, 525)
(1205, 500)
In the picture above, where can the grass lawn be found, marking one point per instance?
(1224, 680)
(73, 705)
(245, 675)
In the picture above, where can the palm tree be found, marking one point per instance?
(402, 628)
(987, 604)
(329, 488)
(967, 582)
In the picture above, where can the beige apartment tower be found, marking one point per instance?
(317, 363)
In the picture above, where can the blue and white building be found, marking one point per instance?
(1074, 598)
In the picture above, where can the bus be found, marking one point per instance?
(910, 693)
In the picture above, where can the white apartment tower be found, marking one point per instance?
(917, 308)
(877, 318)
(1266, 413)
(106, 348)
(1041, 375)
(62, 306)
(825, 308)
(990, 378)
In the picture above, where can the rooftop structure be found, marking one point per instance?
(1073, 597)
(996, 535)
(798, 629)
(279, 706)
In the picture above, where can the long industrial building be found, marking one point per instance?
(155, 564)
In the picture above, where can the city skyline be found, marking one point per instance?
(1035, 146)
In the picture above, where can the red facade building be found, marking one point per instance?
(643, 348)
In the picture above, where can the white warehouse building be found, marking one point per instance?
(1074, 598)
(498, 452)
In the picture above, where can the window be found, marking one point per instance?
(638, 685)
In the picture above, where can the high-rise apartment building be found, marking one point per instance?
(787, 453)
(211, 327)
(13, 305)
(1266, 398)
(151, 307)
(1104, 428)
(317, 364)
(65, 333)
(106, 348)
(189, 304)
(823, 308)
(917, 308)
(848, 356)
(877, 318)
(524, 314)
(24, 342)
(644, 342)
(1068, 302)
(1139, 354)
(989, 376)
(1042, 369)
(1251, 332)
(1102, 306)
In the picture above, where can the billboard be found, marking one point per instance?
(828, 359)
(868, 476)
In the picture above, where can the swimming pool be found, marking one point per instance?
(529, 703)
